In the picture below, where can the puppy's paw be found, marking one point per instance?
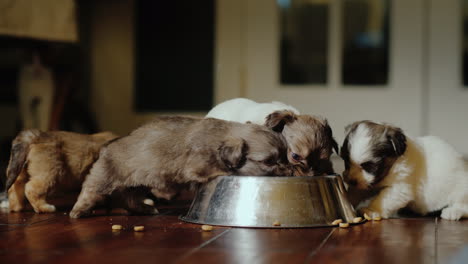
(16, 207)
(46, 208)
(5, 204)
(149, 210)
(451, 213)
(77, 214)
(74, 214)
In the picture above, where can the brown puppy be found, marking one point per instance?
(309, 138)
(45, 162)
(171, 152)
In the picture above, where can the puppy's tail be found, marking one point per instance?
(19, 153)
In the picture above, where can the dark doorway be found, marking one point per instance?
(174, 55)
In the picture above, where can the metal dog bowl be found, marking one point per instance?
(249, 201)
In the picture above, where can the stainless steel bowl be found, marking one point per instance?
(272, 202)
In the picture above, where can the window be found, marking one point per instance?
(174, 55)
(303, 41)
(465, 43)
(365, 42)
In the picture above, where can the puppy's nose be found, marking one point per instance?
(282, 170)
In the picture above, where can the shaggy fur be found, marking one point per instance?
(172, 152)
(46, 162)
(424, 174)
(309, 138)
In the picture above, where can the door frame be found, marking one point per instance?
(447, 97)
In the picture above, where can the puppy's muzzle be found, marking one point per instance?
(295, 170)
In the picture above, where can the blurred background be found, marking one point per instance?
(88, 66)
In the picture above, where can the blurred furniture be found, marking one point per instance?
(39, 22)
(35, 94)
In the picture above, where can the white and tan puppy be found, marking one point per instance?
(245, 110)
(309, 138)
(424, 174)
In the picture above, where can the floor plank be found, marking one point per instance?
(246, 245)
(55, 238)
(86, 240)
(387, 241)
(24, 218)
(452, 241)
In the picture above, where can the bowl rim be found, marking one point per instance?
(187, 220)
(331, 176)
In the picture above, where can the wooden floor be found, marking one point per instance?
(54, 238)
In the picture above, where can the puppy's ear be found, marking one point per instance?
(276, 120)
(349, 128)
(233, 153)
(396, 139)
(329, 132)
(353, 126)
(335, 146)
(344, 153)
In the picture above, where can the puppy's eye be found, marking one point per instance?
(296, 157)
(369, 166)
(270, 161)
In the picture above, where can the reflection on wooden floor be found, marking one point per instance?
(54, 238)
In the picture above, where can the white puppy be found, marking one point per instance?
(245, 110)
(424, 174)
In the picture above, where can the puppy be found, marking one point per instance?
(309, 138)
(245, 110)
(172, 152)
(45, 162)
(424, 174)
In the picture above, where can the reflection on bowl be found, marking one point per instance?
(251, 201)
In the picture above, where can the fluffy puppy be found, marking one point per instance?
(172, 152)
(424, 174)
(245, 110)
(309, 138)
(45, 162)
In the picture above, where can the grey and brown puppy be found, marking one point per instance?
(171, 152)
(45, 162)
(309, 138)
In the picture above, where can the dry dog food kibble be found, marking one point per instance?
(206, 227)
(344, 225)
(276, 223)
(116, 227)
(337, 222)
(357, 219)
(367, 217)
(138, 228)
